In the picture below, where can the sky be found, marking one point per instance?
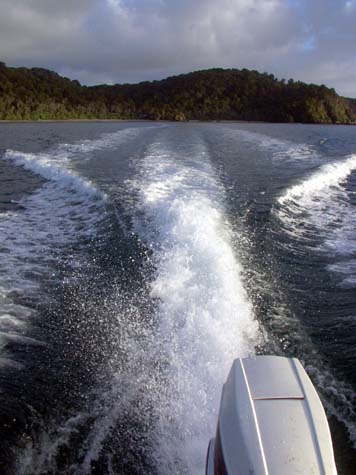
(116, 41)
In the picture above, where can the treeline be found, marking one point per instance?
(214, 94)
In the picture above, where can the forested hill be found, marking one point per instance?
(214, 94)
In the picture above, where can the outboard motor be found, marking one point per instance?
(271, 422)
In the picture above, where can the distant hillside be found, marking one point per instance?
(214, 94)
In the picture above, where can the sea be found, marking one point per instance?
(138, 259)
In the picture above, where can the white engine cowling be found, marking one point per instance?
(271, 422)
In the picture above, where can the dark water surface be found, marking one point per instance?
(139, 259)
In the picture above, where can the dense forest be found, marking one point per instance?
(214, 94)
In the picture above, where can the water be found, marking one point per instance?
(139, 259)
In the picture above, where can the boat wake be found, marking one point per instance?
(153, 326)
(280, 150)
(204, 318)
(65, 210)
(324, 205)
(317, 217)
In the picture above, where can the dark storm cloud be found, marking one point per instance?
(130, 40)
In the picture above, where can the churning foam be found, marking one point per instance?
(322, 201)
(279, 149)
(324, 181)
(64, 210)
(205, 318)
(83, 149)
(56, 164)
(54, 169)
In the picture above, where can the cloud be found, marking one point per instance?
(350, 5)
(41, 30)
(132, 40)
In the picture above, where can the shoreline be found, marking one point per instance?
(212, 121)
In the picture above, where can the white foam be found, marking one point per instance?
(337, 397)
(174, 373)
(205, 318)
(321, 205)
(280, 149)
(346, 269)
(84, 148)
(54, 169)
(40, 458)
(328, 178)
(56, 165)
(9, 321)
(64, 210)
(35, 235)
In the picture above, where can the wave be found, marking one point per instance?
(337, 397)
(177, 358)
(321, 205)
(319, 212)
(205, 319)
(48, 233)
(328, 178)
(64, 211)
(54, 169)
(279, 149)
(83, 149)
(56, 165)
